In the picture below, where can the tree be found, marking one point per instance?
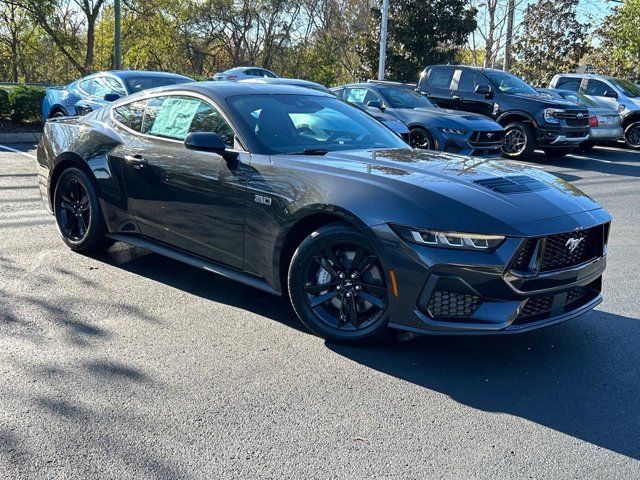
(420, 33)
(551, 41)
(618, 52)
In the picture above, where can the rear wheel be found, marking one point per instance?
(632, 135)
(420, 138)
(519, 140)
(78, 213)
(338, 287)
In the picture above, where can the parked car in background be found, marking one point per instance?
(299, 194)
(238, 73)
(431, 128)
(608, 92)
(604, 123)
(530, 120)
(98, 89)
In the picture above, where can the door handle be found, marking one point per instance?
(136, 161)
(456, 97)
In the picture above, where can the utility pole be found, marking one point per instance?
(117, 53)
(507, 45)
(383, 39)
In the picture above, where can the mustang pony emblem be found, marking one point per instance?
(573, 243)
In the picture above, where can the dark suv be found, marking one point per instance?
(530, 121)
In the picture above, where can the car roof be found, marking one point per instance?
(470, 67)
(585, 75)
(221, 90)
(279, 81)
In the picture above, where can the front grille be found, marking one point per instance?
(574, 118)
(448, 304)
(536, 306)
(577, 122)
(486, 137)
(557, 251)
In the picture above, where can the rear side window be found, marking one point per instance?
(569, 83)
(440, 78)
(175, 116)
(469, 80)
(131, 114)
(597, 88)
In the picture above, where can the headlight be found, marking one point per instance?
(549, 114)
(453, 131)
(433, 238)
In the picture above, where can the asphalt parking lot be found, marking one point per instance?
(130, 365)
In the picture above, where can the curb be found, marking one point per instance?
(9, 138)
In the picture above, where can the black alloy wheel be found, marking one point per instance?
(78, 213)
(421, 138)
(632, 135)
(337, 286)
(518, 140)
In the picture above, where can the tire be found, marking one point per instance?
(519, 141)
(78, 214)
(632, 136)
(335, 299)
(421, 138)
(558, 152)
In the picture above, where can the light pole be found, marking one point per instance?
(117, 53)
(383, 39)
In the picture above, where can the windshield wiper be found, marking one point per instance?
(310, 151)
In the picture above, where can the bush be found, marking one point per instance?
(5, 105)
(26, 103)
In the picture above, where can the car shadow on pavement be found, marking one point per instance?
(201, 283)
(611, 162)
(579, 378)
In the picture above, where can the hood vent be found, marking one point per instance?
(512, 184)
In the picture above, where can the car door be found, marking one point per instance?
(598, 91)
(437, 86)
(189, 199)
(469, 100)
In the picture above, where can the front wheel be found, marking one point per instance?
(78, 213)
(420, 138)
(632, 136)
(519, 140)
(338, 287)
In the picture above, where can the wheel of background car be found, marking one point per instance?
(558, 152)
(338, 287)
(58, 114)
(518, 140)
(78, 213)
(632, 135)
(421, 138)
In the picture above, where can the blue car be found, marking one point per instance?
(431, 127)
(98, 89)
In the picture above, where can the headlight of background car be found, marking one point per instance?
(456, 240)
(453, 131)
(549, 114)
(82, 110)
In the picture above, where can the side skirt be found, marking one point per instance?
(195, 261)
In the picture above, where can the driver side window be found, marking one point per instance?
(361, 96)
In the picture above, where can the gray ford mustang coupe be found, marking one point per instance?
(297, 193)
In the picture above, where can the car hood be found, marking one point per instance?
(452, 192)
(542, 101)
(441, 117)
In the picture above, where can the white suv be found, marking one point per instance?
(610, 92)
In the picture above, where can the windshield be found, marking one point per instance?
(579, 99)
(309, 124)
(507, 83)
(399, 97)
(629, 89)
(137, 84)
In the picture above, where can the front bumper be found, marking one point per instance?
(442, 291)
(559, 136)
(471, 145)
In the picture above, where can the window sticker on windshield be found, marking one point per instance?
(174, 117)
(356, 95)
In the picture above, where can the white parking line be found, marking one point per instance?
(33, 157)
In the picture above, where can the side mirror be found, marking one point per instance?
(209, 142)
(375, 104)
(610, 94)
(484, 90)
(111, 97)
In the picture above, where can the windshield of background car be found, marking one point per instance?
(630, 89)
(295, 123)
(579, 99)
(399, 97)
(137, 84)
(510, 84)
